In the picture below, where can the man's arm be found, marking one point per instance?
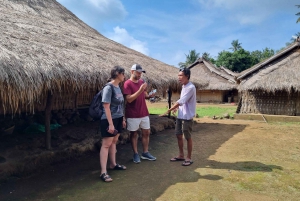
(173, 108)
(132, 97)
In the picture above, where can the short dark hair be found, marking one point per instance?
(115, 71)
(186, 72)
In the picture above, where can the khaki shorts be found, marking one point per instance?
(184, 127)
(133, 124)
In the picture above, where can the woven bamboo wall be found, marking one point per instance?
(280, 103)
(208, 96)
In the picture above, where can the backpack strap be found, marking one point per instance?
(112, 88)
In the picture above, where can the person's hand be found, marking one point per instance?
(124, 124)
(152, 95)
(164, 114)
(111, 129)
(143, 87)
(174, 111)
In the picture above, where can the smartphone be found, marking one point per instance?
(115, 131)
(152, 92)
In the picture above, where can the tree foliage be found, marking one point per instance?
(259, 56)
(192, 57)
(235, 61)
(235, 45)
(298, 14)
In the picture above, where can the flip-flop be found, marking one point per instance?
(187, 163)
(119, 167)
(176, 159)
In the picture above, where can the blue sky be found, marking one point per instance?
(168, 29)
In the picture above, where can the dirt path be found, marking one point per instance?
(233, 160)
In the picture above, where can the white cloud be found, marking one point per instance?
(112, 9)
(120, 35)
(95, 12)
(250, 12)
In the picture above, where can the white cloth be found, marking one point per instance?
(187, 102)
(133, 124)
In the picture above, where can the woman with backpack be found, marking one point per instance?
(112, 121)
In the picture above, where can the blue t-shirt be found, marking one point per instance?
(116, 102)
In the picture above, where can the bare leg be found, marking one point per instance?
(180, 145)
(134, 139)
(145, 139)
(189, 148)
(106, 143)
(112, 152)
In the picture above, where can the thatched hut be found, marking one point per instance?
(272, 86)
(221, 85)
(51, 60)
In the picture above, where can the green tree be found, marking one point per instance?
(235, 45)
(192, 57)
(235, 61)
(258, 56)
(298, 14)
(207, 57)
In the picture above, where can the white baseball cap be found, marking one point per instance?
(138, 68)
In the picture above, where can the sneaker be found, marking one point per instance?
(136, 158)
(148, 156)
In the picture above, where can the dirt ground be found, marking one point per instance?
(233, 160)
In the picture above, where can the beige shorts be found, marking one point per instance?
(133, 124)
(184, 127)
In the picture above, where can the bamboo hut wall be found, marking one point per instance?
(210, 96)
(175, 96)
(278, 103)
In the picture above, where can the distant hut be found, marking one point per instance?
(51, 60)
(272, 86)
(221, 85)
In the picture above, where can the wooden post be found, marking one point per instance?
(169, 99)
(47, 119)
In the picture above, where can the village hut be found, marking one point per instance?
(272, 86)
(50, 60)
(221, 85)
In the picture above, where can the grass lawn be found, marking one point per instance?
(203, 110)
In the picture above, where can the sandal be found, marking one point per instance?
(177, 159)
(105, 177)
(119, 167)
(187, 163)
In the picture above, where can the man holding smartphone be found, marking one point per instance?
(136, 112)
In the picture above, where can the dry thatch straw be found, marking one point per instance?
(43, 46)
(278, 73)
(216, 78)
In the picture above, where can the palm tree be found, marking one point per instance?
(293, 39)
(298, 14)
(190, 59)
(235, 45)
(206, 56)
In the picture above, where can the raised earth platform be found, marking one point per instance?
(24, 153)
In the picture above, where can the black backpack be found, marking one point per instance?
(96, 107)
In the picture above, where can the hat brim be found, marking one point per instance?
(141, 71)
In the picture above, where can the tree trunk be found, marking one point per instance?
(47, 119)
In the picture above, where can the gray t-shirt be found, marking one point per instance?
(116, 102)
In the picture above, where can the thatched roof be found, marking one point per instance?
(280, 72)
(43, 46)
(217, 78)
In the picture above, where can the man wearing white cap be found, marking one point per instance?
(136, 112)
